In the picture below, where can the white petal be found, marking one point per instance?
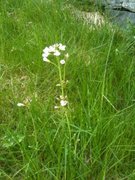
(62, 61)
(46, 50)
(51, 49)
(45, 54)
(56, 53)
(62, 47)
(20, 104)
(56, 107)
(63, 103)
(45, 59)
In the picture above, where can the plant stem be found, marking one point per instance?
(61, 79)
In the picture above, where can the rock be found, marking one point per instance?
(121, 12)
(122, 18)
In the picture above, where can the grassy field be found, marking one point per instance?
(93, 137)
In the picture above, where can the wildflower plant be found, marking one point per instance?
(57, 52)
(25, 103)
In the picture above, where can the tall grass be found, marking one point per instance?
(95, 139)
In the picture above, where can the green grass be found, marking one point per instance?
(94, 139)
(84, 5)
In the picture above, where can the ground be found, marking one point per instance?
(93, 136)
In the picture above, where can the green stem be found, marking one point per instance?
(60, 77)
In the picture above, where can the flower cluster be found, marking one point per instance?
(58, 51)
(55, 50)
(63, 101)
(25, 103)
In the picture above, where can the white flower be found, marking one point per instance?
(45, 59)
(56, 107)
(63, 103)
(62, 47)
(62, 61)
(52, 49)
(45, 54)
(46, 50)
(56, 53)
(20, 104)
